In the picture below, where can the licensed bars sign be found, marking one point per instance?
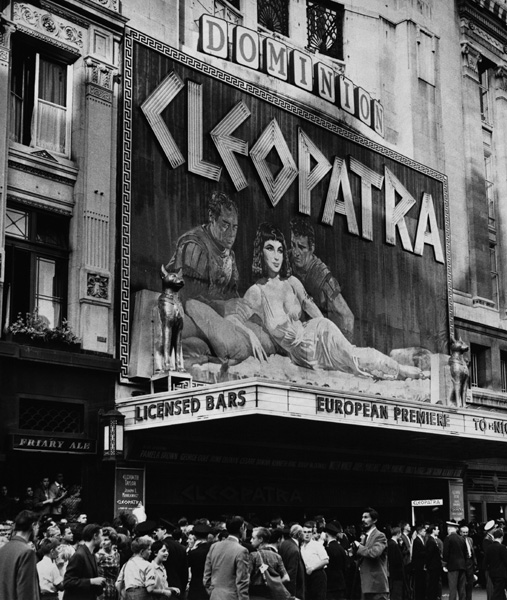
(362, 233)
(266, 398)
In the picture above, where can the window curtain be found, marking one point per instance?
(51, 113)
(51, 127)
(53, 82)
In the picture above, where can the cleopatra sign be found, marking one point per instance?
(294, 66)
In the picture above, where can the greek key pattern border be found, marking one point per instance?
(125, 206)
(132, 36)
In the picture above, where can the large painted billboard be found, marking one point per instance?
(307, 253)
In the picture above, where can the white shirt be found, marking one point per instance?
(313, 553)
(49, 575)
(137, 572)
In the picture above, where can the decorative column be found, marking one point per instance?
(500, 153)
(6, 29)
(96, 200)
(479, 284)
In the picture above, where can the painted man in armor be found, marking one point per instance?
(206, 261)
(316, 277)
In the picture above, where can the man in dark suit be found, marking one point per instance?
(196, 562)
(395, 562)
(18, 563)
(406, 551)
(293, 563)
(454, 561)
(495, 563)
(227, 567)
(419, 562)
(81, 581)
(471, 561)
(337, 565)
(434, 549)
(372, 553)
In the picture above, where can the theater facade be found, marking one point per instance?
(288, 134)
(368, 139)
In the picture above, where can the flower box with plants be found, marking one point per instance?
(34, 330)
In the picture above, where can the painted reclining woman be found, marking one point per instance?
(281, 303)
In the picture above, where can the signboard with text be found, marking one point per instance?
(129, 489)
(456, 501)
(363, 267)
(429, 502)
(49, 443)
(252, 398)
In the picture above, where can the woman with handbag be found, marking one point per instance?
(267, 572)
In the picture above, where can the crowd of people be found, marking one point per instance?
(47, 556)
(53, 497)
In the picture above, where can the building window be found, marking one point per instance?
(228, 10)
(478, 365)
(488, 176)
(51, 417)
(40, 100)
(274, 15)
(495, 293)
(36, 263)
(325, 28)
(485, 94)
(426, 57)
(503, 370)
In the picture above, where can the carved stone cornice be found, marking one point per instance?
(7, 28)
(44, 25)
(99, 95)
(109, 4)
(48, 207)
(33, 170)
(490, 16)
(474, 32)
(100, 74)
(54, 9)
(471, 58)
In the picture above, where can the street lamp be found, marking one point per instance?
(113, 422)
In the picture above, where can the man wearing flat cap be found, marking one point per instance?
(337, 564)
(196, 560)
(454, 561)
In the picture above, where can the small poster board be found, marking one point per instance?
(129, 489)
(456, 501)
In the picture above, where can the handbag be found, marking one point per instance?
(273, 582)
